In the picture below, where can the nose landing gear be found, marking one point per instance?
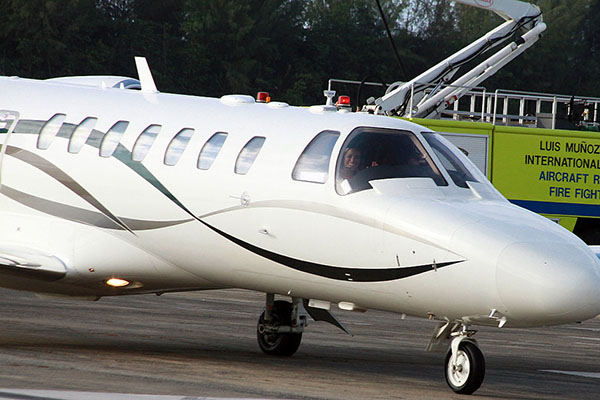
(465, 370)
(464, 367)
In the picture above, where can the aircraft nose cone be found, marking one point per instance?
(548, 283)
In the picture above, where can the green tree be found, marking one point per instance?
(239, 45)
(48, 38)
(560, 62)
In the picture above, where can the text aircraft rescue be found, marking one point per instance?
(109, 191)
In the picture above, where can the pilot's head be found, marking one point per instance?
(352, 158)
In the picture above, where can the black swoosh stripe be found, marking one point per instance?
(122, 154)
(337, 273)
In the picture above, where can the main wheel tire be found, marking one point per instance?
(466, 376)
(279, 344)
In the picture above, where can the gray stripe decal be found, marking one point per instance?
(121, 153)
(81, 215)
(33, 127)
(66, 130)
(124, 155)
(56, 173)
(29, 126)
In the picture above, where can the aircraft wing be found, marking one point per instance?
(28, 263)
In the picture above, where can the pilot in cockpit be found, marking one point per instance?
(351, 163)
(373, 155)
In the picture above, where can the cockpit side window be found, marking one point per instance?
(456, 169)
(376, 153)
(313, 163)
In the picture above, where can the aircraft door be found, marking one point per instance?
(8, 121)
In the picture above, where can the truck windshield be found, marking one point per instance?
(457, 170)
(376, 153)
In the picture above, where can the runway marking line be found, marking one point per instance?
(595, 375)
(25, 394)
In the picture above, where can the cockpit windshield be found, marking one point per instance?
(376, 153)
(457, 170)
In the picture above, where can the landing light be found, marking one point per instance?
(117, 282)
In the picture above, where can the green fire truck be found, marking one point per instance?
(554, 172)
(541, 151)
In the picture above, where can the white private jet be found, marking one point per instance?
(110, 191)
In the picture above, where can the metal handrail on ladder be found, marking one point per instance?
(490, 103)
(540, 98)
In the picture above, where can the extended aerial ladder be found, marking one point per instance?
(433, 91)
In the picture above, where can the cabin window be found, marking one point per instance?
(177, 146)
(313, 163)
(211, 149)
(49, 131)
(248, 154)
(457, 170)
(376, 153)
(144, 142)
(112, 138)
(81, 134)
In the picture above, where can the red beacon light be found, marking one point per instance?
(343, 101)
(263, 97)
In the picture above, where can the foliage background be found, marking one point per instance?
(288, 47)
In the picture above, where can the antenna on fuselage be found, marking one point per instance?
(146, 80)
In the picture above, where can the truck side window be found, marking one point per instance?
(248, 154)
(313, 163)
(211, 149)
(456, 169)
(377, 153)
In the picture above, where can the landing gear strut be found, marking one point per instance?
(465, 366)
(465, 370)
(280, 327)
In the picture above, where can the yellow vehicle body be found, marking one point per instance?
(553, 172)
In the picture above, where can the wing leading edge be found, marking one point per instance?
(28, 263)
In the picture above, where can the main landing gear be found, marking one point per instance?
(280, 326)
(465, 366)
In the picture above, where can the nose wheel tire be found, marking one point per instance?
(274, 343)
(465, 375)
